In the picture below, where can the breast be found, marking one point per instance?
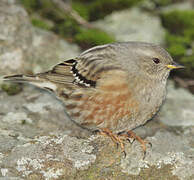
(106, 105)
(151, 99)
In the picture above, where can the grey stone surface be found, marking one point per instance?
(47, 155)
(167, 149)
(133, 25)
(24, 48)
(179, 107)
(181, 6)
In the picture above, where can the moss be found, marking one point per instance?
(87, 38)
(100, 8)
(180, 39)
(11, 88)
(23, 122)
(30, 5)
(162, 3)
(44, 8)
(67, 28)
(82, 9)
(41, 24)
(188, 62)
(88, 9)
(177, 45)
(178, 21)
(63, 25)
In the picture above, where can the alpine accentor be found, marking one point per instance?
(111, 88)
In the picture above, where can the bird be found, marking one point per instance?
(112, 88)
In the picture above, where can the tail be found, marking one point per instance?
(31, 79)
(19, 78)
(60, 75)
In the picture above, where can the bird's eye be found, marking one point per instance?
(156, 60)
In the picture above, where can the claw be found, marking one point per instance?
(96, 131)
(131, 141)
(115, 138)
(121, 137)
(150, 144)
(144, 155)
(125, 154)
(117, 145)
(120, 133)
(142, 142)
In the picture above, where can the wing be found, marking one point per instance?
(85, 70)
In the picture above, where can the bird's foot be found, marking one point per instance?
(120, 138)
(119, 141)
(131, 135)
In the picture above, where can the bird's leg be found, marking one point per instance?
(130, 134)
(123, 136)
(115, 138)
(143, 143)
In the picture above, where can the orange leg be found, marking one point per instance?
(115, 138)
(121, 137)
(143, 143)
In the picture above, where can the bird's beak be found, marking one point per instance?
(174, 65)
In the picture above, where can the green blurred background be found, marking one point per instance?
(178, 23)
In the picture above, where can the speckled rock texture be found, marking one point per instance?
(39, 141)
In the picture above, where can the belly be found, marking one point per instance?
(108, 110)
(149, 104)
(103, 109)
(115, 111)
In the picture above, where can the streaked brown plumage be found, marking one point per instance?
(116, 86)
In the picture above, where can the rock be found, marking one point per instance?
(50, 157)
(181, 6)
(133, 25)
(48, 50)
(178, 108)
(166, 6)
(167, 149)
(24, 48)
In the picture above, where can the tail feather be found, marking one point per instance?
(34, 80)
(20, 78)
(60, 75)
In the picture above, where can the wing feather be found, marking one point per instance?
(86, 69)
